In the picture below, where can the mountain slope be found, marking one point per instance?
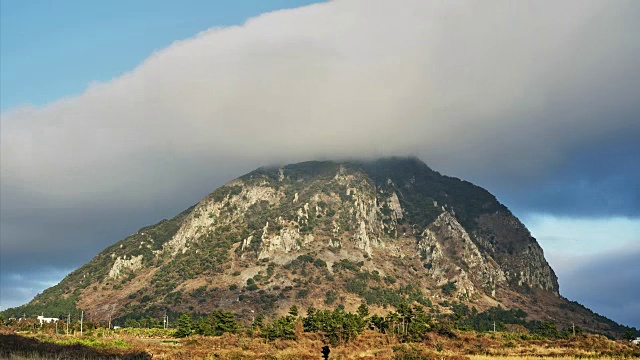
(322, 233)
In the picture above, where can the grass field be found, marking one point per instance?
(109, 344)
(529, 357)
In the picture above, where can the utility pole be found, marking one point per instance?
(113, 306)
(573, 326)
(494, 326)
(68, 319)
(81, 319)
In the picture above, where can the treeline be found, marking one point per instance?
(338, 325)
(58, 307)
(512, 320)
(409, 323)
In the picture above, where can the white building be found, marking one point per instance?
(43, 319)
(636, 341)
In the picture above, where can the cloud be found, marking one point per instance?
(597, 181)
(596, 261)
(583, 236)
(608, 284)
(510, 87)
(15, 288)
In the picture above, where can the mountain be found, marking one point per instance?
(320, 234)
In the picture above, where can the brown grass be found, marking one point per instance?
(369, 345)
(526, 357)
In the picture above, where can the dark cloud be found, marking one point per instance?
(37, 237)
(15, 287)
(40, 246)
(600, 180)
(608, 285)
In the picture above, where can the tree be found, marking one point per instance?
(547, 329)
(293, 311)
(185, 325)
(217, 323)
(406, 314)
(339, 326)
(352, 325)
(379, 323)
(629, 335)
(258, 322)
(282, 328)
(312, 323)
(363, 310)
(392, 321)
(131, 323)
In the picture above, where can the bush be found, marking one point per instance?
(252, 287)
(409, 352)
(330, 297)
(449, 288)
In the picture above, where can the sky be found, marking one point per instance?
(115, 115)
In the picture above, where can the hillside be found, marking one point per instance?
(321, 234)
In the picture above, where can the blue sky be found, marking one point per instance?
(54, 49)
(537, 102)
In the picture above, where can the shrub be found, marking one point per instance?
(449, 288)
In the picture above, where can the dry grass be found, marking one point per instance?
(530, 357)
(370, 345)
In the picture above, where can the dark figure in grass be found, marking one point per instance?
(325, 352)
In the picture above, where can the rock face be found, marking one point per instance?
(448, 249)
(124, 264)
(317, 234)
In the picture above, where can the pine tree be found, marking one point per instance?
(185, 325)
(217, 323)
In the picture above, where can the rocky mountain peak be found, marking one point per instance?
(318, 233)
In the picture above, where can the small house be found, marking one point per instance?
(43, 319)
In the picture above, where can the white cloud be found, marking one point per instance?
(467, 86)
(583, 236)
(573, 243)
